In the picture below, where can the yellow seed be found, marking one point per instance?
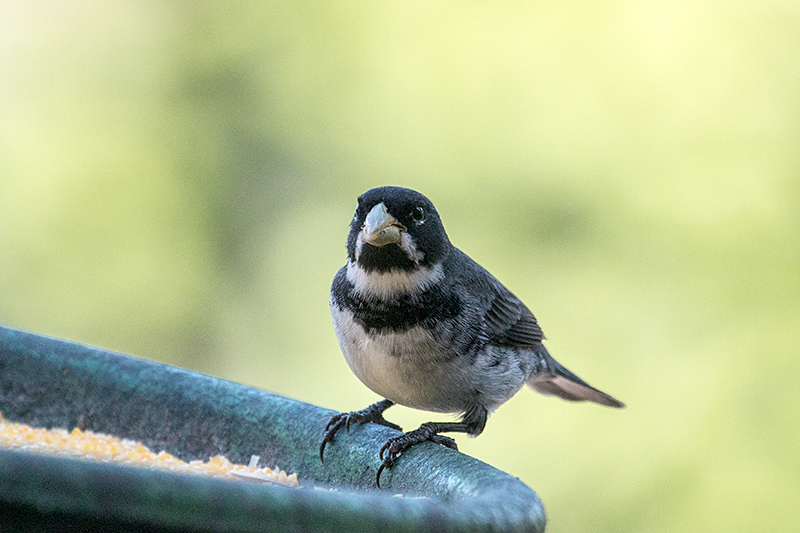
(107, 448)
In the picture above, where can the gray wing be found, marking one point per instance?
(507, 321)
(510, 323)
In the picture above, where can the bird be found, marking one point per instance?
(423, 325)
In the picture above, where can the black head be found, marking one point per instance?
(396, 229)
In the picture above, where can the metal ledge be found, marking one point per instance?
(52, 383)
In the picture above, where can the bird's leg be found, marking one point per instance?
(473, 423)
(373, 413)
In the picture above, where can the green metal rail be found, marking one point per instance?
(53, 383)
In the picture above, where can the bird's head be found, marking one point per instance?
(396, 230)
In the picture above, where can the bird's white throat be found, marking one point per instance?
(388, 284)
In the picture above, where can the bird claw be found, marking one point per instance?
(345, 420)
(447, 442)
(395, 446)
(331, 428)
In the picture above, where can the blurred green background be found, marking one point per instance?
(177, 179)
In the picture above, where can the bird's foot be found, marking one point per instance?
(395, 446)
(373, 413)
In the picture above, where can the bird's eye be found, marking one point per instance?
(418, 214)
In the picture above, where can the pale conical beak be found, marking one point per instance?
(380, 228)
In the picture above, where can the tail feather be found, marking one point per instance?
(556, 380)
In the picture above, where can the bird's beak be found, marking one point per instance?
(380, 228)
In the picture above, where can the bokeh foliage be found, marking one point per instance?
(176, 181)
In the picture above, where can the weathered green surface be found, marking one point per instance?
(52, 383)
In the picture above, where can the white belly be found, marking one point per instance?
(406, 368)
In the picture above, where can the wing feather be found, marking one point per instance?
(510, 323)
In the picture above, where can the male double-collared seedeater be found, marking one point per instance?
(425, 326)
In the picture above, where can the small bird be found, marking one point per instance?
(425, 326)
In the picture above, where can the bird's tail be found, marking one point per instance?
(553, 378)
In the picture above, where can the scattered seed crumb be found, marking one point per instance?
(86, 444)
